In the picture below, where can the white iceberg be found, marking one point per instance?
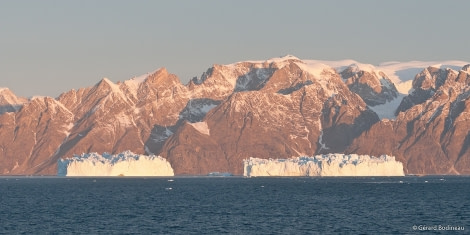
(123, 164)
(325, 165)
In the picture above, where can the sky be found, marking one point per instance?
(48, 47)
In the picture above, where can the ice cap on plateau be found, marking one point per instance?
(279, 61)
(285, 57)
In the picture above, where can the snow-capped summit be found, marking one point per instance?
(374, 87)
(278, 61)
(9, 102)
(466, 68)
(283, 60)
(133, 84)
(288, 57)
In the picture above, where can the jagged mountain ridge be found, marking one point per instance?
(277, 108)
(431, 132)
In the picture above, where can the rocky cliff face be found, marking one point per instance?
(431, 132)
(374, 88)
(279, 108)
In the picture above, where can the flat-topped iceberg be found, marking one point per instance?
(123, 164)
(325, 165)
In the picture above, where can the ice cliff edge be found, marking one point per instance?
(123, 164)
(325, 165)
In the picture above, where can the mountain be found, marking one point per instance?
(279, 108)
(431, 133)
(9, 102)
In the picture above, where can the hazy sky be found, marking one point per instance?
(48, 47)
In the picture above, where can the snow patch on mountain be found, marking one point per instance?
(201, 127)
(387, 110)
(325, 165)
(135, 82)
(320, 141)
(57, 104)
(320, 71)
(315, 69)
(67, 129)
(123, 164)
(37, 97)
(141, 78)
(114, 87)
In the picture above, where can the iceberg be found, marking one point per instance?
(123, 164)
(325, 165)
(220, 174)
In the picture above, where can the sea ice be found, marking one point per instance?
(123, 164)
(325, 165)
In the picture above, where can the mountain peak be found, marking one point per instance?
(9, 102)
(466, 68)
(108, 84)
(8, 96)
(160, 72)
(284, 60)
(161, 76)
(143, 77)
(5, 92)
(277, 61)
(288, 57)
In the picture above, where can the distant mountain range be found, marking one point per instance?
(279, 108)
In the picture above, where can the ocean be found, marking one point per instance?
(235, 205)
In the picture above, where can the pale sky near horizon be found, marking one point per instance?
(48, 47)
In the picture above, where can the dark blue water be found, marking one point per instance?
(397, 205)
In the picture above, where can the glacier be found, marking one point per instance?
(324, 165)
(123, 164)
